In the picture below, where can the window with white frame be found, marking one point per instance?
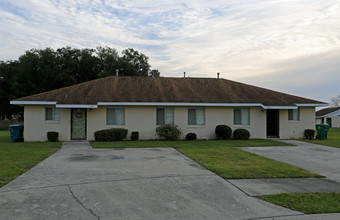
(52, 114)
(165, 116)
(196, 116)
(241, 116)
(293, 114)
(115, 116)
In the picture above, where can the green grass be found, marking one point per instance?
(17, 158)
(309, 203)
(223, 158)
(333, 139)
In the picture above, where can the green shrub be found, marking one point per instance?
(169, 132)
(52, 136)
(241, 134)
(223, 132)
(309, 134)
(191, 137)
(113, 134)
(134, 136)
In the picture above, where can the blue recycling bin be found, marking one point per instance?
(16, 132)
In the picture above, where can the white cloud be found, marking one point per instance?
(240, 39)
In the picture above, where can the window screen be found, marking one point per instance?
(293, 114)
(165, 116)
(241, 116)
(115, 116)
(52, 114)
(196, 116)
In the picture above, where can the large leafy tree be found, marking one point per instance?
(135, 63)
(42, 70)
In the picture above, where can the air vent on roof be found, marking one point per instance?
(218, 75)
(117, 71)
(184, 75)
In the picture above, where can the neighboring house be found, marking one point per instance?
(329, 116)
(143, 103)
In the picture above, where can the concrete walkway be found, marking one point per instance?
(312, 157)
(79, 182)
(315, 158)
(258, 187)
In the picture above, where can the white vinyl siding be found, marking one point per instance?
(165, 116)
(196, 116)
(241, 116)
(293, 115)
(115, 116)
(52, 114)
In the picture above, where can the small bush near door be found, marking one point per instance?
(309, 134)
(113, 134)
(241, 134)
(134, 136)
(52, 136)
(223, 132)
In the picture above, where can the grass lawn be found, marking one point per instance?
(17, 158)
(333, 139)
(309, 203)
(223, 158)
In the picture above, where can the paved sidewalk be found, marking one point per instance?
(258, 187)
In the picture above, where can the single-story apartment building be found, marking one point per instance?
(141, 104)
(329, 116)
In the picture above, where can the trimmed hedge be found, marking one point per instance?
(191, 137)
(113, 134)
(223, 132)
(241, 134)
(309, 134)
(134, 136)
(169, 132)
(52, 136)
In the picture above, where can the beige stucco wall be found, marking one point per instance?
(143, 120)
(36, 127)
(295, 129)
(318, 121)
(335, 121)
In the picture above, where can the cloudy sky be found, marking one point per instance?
(291, 46)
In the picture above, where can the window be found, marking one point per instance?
(293, 115)
(165, 116)
(52, 114)
(115, 116)
(241, 116)
(196, 116)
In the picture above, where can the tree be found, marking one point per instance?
(6, 81)
(155, 73)
(335, 102)
(135, 63)
(40, 70)
(109, 61)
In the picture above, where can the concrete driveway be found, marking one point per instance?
(79, 182)
(312, 157)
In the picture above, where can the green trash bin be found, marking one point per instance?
(322, 130)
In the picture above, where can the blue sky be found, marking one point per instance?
(291, 46)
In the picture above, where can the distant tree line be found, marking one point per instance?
(42, 70)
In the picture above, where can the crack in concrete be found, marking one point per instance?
(105, 181)
(88, 209)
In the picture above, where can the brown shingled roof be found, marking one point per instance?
(166, 89)
(326, 111)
